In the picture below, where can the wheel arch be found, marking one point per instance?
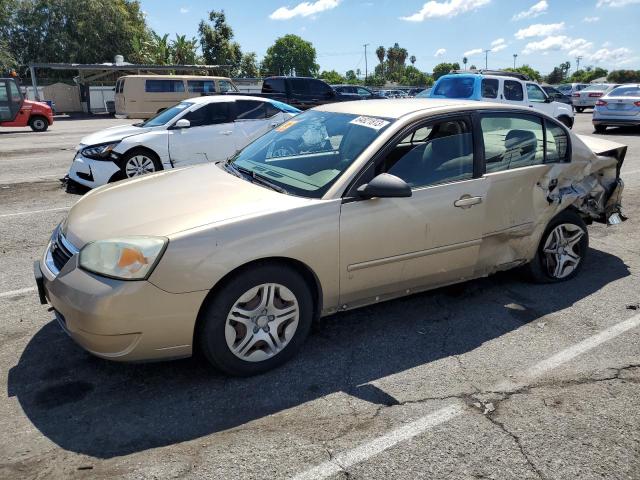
(36, 115)
(300, 267)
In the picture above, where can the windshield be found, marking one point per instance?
(166, 115)
(625, 92)
(307, 154)
(455, 87)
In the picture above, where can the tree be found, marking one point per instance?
(351, 77)
(291, 54)
(183, 51)
(473, 67)
(464, 61)
(91, 31)
(381, 53)
(624, 76)
(444, 68)
(588, 74)
(216, 40)
(527, 70)
(249, 65)
(396, 58)
(413, 76)
(556, 76)
(332, 77)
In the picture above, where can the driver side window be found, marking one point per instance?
(439, 153)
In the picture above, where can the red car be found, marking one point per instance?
(15, 111)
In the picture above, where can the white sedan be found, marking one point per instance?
(197, 130)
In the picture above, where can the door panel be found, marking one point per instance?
(389, 245)
(209, 143)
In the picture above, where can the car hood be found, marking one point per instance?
(113, 134)
(165, 203)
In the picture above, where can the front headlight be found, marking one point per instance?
(127, 258)
(99, 152)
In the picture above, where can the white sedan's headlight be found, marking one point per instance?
(127, 258)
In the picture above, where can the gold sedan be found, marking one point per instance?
(345, 205)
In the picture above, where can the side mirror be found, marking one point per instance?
(550, 98)
(385, 186)
(182, 123)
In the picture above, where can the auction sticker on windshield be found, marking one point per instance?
(370, 122)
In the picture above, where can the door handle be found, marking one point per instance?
(226, 132)
(275, 124)
(467, 201)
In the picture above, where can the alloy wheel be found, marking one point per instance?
(139, 165)
(562, 250)
(262, 322)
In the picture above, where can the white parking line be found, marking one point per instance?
(367, 450)
(15, 293)
(31, 212)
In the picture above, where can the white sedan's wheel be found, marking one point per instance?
(562, 250)
(139, 165)
(262, 322)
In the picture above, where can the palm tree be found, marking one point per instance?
(412, 59)
(380, 53)
(184, 52)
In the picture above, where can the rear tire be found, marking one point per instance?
(38, 123)
(600, 128)
(562, 250)
(241, 336)
(566, 121)
(579, 109)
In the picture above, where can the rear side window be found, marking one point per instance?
(250, 110)
(299, 86)
(490, 87)
(557, 144)
(513, 91)
(201, 86)
(164, 86)
(512, 141)
(211, 114)
(319, 88)
(273, 85)
(455, 87)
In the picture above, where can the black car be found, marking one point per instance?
(363, 92)
(556, 95)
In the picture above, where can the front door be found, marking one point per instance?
(538, 99)
(209, 138)
(10, 100)
(389, 246)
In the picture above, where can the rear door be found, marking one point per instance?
(208, 139)
(253, 119)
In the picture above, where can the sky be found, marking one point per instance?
(542, 33)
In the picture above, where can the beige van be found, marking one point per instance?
(142, 96)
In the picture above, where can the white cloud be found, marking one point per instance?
(615, 56)
(590, 19)
(440, 52)
(616, 3)
(446, 8)
(575, 46)
(304, 9)
(470, 53)
(184, 10)
(539, 30)
(498, 44)
(535, 11)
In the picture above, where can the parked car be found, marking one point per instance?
(556, 95)
(619, 107)
(198, 130)
(415, 91)
(501, 87)
(571, 88)
(374, 200)
(362, 92)
(302, 92)
(425, 93)
(587, 97)
(16, 111)
(142, 96)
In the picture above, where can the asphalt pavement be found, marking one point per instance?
(494, 378)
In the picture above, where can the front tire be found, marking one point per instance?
(579, 109)
(38, 124)
(256, 321)
(138, 162)
(600, 128)
(566, 121)
(562, 250)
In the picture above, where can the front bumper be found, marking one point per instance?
(92, 173)
(119, 320)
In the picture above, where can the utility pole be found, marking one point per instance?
(366, 69)
(515, 55)
(578, 63)
(486, 59)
